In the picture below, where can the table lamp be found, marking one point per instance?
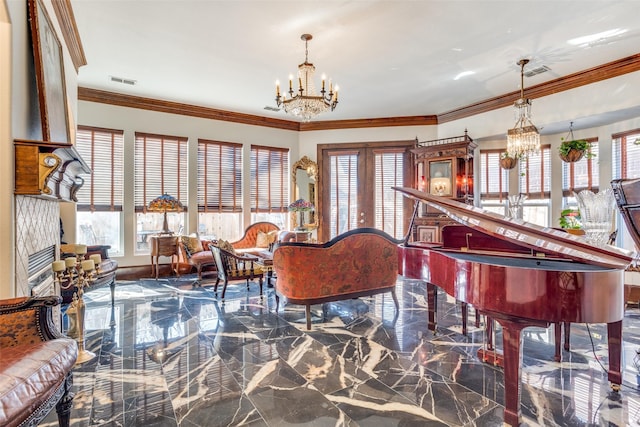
(164, 204)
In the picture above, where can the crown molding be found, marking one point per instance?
(121, 100)
(612, 69)
(67, 21)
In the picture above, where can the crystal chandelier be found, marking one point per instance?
(524, 138)
(305, 103)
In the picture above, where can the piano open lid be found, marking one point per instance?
(534, 237)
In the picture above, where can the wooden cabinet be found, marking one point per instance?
(163, 245)
(444, 167)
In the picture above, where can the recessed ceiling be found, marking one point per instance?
(390, 58)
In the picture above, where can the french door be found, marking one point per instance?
(356, 187)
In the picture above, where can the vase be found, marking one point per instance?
(302, 221)
(516, 203)
(596, 213)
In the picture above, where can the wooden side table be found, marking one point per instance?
(163, 245)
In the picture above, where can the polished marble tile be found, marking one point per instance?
(170, 354)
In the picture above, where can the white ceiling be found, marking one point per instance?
(390, 58)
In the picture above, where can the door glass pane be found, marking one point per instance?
(343, 180)
(389, 169)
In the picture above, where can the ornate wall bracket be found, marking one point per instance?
(50, 170)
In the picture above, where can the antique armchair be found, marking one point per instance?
(36, 363)
(233, 267)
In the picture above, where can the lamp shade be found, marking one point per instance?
(165, 203)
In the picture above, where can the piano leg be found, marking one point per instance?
(432, 301)
(512, 361)
(614, 336)
(557, 329)
(464, 308)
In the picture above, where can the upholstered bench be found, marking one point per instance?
(35, 363)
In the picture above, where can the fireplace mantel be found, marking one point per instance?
(48, 169)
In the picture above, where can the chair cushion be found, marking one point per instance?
(224, 244)
(192, 244)
(30, 374)
(262, 240)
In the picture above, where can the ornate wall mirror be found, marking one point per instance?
(304, 174)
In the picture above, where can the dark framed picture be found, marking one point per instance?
(427, 233)
(50, 81)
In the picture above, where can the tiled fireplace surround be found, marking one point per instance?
(37, 227)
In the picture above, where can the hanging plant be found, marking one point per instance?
(572, 150)
(508, 162)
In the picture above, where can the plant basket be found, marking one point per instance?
(508, 162)
(572, 156)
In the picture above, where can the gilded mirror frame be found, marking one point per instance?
(311, 168)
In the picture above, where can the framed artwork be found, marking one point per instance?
(50, 81)
(427, 233)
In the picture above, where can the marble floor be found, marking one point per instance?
(169, 354)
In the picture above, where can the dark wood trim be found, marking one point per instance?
(612, 69)
(370, 123)
(67, 21)
(122, 100)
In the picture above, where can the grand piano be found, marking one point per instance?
(520, 275)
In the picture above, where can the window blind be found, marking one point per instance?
(219, 176)
(160, 167)
(269, 179)
(581, 175)
(389, 173)
(103, 150)
(626, 147)
(343, 181)
(494, 180)
(535, 174)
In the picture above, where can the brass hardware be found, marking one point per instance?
(49, 162)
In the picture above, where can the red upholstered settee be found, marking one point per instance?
(255, 237)
(35, 363)
(357, 263)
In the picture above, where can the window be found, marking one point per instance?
(580, 175)
(270, 185)
(160, 168)
(535, 182)
(343, 181)
(99, 208)
(219, 189)
(626, 165)
(494, 182)
(388, 204)
(626, 154)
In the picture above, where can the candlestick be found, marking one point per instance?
(81, 249)
(70, 262)
(58, 266)
(97, 259)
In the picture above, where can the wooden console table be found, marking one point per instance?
(162, 245)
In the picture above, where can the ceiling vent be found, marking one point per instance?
(269, 108)
(539, 70)
(123, 81)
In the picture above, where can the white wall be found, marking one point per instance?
(7, 265)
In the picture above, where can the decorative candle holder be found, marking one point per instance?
(80, 273)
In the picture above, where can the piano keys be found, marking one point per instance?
(520, 275)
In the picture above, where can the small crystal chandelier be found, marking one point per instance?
(305, 103)
(524, 138)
